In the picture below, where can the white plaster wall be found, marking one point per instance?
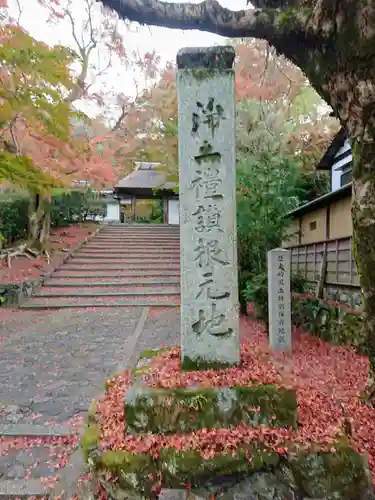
(336, 178)
(173, 211)
(113, 212)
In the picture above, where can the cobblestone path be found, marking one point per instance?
(53, 364)
(51, 370)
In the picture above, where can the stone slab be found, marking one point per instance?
(67, 284)
(169, 411)
(129, 267)
(35, 430)
(19, 488)
(129, 274)
(342, 473)
(62, 305)
(207, 189)
(134, 293)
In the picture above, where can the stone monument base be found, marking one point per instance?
(255, 469)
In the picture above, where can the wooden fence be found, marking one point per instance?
(334, 257)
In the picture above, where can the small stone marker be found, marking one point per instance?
(279, 303)
(207, 158)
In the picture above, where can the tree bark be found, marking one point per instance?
(39, 222)
(363, 212)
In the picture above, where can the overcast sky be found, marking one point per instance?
(164, 41)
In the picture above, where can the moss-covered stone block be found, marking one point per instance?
(189, 364)
(331, 323)
(165, 411)
(135, 471)
(144, 362)
(342, 473)
(90, 439)
(339, 474)
(181, 468)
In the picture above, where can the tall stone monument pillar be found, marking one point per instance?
(207, 162)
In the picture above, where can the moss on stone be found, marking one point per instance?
(206, 59)
(135, 471)
(110, 380)
(342, 473)
(151, 353)
(91, 413)
(144, 362)
(180, 468)
(138, 373)
(336, 325)
(277, 406)
(189, 364)
(90, 439)
(183, 410)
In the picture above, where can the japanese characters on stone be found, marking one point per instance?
(207, 184)
(279, 299)
(207, 188)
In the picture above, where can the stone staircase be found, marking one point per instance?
(122, 266)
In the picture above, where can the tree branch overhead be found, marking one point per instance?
(208, 15)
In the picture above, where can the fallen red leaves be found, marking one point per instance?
(61, 238)
(59, 449)
(328, 380)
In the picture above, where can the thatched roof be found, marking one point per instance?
(145, 179)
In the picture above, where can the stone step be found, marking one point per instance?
(70, 266)
(136, 242)
(100, 291)
(126, 254)
(132, 253)
(141, 250)
(145, 235)
(22, 488)
(130, 237)
(129, 246)
(145, 227)
(79, 282)
(143, 231)
(123, 260)
(124, 273)
(53, 303)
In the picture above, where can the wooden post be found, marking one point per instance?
(323, 269)
(165, 210)
(351, 261)
(314, 272)
(133, 208)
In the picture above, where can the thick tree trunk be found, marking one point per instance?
(363, 212)
(39, 222)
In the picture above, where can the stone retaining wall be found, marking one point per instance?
(14, 294)
(349, 296)
(329, 321)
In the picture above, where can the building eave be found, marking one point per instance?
(322, 201)
(328, 157)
